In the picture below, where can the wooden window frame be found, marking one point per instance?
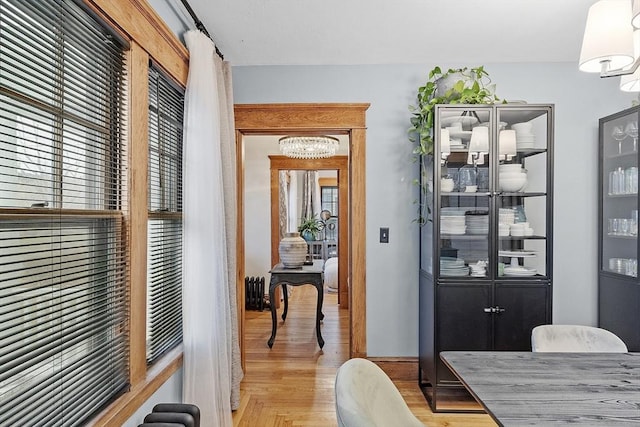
(149, 38)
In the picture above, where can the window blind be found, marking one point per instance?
(63, 258)
(164, 266)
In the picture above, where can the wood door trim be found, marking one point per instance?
(339, 164)
(350, 119)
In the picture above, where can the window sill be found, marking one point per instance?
(122, 409)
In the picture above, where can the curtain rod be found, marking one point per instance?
(200, 26)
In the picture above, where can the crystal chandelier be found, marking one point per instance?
(309, 147)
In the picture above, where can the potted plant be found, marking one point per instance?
(310, 228)
(456, 86)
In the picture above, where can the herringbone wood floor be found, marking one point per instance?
(292, 383)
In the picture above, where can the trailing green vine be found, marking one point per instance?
(473, 88)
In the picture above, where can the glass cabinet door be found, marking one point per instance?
(464, 149)
(619, 194)
(523, 190)
(493, 186)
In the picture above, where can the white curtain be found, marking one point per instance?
(294, 217)
(310, 194)
(212, 370)
(283, 203)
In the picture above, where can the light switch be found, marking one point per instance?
(384, 234)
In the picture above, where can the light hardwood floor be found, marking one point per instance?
(292, 383)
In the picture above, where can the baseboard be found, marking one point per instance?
(398, 368)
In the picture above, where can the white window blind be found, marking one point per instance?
(164, 266)
(63, 257)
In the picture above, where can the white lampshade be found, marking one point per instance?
(445, 143)
(479, 144)
(507, 144)
(608, 36)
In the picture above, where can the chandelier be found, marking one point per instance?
(309, 147)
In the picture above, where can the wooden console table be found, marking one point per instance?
(305, 275)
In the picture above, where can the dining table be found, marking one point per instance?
(536, 388)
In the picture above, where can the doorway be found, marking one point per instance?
(340, 165)
(336, 119)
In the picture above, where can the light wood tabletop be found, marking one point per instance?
(525, 388)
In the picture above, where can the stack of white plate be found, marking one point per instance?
(519, 271)
(453, 267)
(452, 222)
(477, 222)
(456, 144)
(506, 216)
(524, 135)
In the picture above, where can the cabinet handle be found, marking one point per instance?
(496, 309)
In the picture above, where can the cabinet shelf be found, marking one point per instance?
(464, 194)
(521, 194)
(522, 237)
(622, 236)
(622, 155)
(458, 156)
(622, 195)
(464, 236)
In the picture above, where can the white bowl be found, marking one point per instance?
(513, 184)
(510, 167)
(512, 175)
(446, 185)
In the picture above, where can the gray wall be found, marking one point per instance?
(169, 392)
(392, 269)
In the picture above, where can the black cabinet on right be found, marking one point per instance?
(618, 285)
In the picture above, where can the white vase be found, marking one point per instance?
(292, 250)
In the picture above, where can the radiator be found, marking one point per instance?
(254, 293)
(173, 415)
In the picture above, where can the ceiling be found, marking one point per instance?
(349, 32)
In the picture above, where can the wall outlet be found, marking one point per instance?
(384, 234)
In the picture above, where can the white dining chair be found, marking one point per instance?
(366, 397)
(575, 338)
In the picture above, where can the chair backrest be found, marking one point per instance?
(575, 338)
(366, 397)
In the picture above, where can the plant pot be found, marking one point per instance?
(308, 236)
(445, 83)
(292, 250)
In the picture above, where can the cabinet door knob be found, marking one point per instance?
(489, 310)
(499, 309)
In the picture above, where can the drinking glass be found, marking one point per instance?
(624, 226)
(632, 130)
(618, 134)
